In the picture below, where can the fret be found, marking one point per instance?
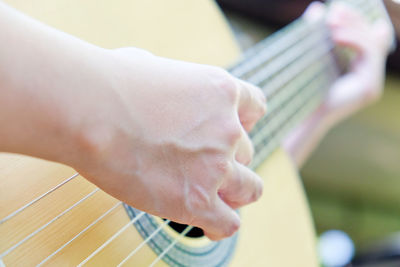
(294, 68)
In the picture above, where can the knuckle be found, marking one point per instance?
(233, 132)
(225, 83)
(224, 167)
(200, 199)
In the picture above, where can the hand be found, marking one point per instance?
(363, 85)
(171, 140)
(353, 91)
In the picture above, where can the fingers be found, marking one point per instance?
(315, 11)
(349, 28)
(245, 149)
(251, 105)
(350, 37)
(243, 187)
(383, 33)
(341, 14)
(222, 221)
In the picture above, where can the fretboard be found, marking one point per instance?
(294, 67)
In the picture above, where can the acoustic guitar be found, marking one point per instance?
(51, 216)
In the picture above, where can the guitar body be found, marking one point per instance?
(276, 231)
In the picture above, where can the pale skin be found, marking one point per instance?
(167, 137)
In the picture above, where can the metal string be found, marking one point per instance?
(176, 240)
(310, 100)
(120, 231)
(276, 100)
(143, 243)
(286, 59)
(11, 249)
(281, 82)
(80, 233)
(271, 48)
(37, 199)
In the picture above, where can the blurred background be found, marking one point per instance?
(353, 184)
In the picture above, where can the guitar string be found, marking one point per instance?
(286, 59)
(312, 74)
(275, 106)
(143, 243)
(251, 53)
(290, 89)
(173, 243)
(271, 50)
(273, 141)
(11, 249)
(11, 215)
(311, 86)
(278, 85)
(120, 231)
(80, 233)
(265, 125)
(253, 57)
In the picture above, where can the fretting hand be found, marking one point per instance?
(361, 86)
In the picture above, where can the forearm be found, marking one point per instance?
(38, 117)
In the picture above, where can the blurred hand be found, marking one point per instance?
(172, 140)
(370, 42)
(362, 85)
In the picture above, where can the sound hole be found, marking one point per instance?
(194, 233)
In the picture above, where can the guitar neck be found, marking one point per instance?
(295, 67)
